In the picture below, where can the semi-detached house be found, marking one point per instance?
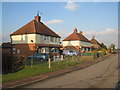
(34, 37)
(76, 42)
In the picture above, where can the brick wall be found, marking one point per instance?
(24, 49)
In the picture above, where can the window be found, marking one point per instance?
(46, 50)
(14, 50)
(54, 50)
(46, 38)
(42, 37)
(23, 37)
(18, 51)
(52, 39)
(55, 39)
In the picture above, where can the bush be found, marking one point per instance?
(104, 51)
(11, 63)
(17, 63)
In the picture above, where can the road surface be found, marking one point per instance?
(101, 75)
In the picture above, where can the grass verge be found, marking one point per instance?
(42, 68)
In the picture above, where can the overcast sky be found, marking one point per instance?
(93, 18)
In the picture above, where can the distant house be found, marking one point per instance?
(76, 42)
(6, 48)
(34, 37)
(95, 43)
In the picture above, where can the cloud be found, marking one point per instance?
(107, 36)
(72, 6)
(54, 21)
(104, 32)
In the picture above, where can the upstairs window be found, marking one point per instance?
(52, 39)
(46, 38)
(55, 39)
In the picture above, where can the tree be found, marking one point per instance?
(103, 46)
(112, 46)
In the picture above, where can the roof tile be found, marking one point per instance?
(34, 27)
(76, 36)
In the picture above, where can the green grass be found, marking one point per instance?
(41, 68)
(91, 54)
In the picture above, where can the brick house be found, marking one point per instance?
(76, 42)
(34, 37)
(95, 43)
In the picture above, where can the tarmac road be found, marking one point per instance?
(101, 75)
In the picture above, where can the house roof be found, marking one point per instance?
(6, 45)
(35, 27)
(94, 41)
(76, 36)
(75, 48)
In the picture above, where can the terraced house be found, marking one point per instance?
(34, 37)
(76, 42)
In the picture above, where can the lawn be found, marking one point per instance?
(41, 68)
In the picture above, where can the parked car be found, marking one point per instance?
(39, 56)
(69, 52)
(113, 52)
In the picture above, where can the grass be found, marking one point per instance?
(41, 68)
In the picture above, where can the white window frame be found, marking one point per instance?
(14, 50)
(18, 51)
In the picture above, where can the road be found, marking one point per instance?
(101, 75)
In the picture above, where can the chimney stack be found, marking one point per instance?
(37, 18)
(93, 37)
(81, 32)
(75, 30)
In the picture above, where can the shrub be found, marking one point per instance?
(11, 63)
(104, 51)
(17, 63)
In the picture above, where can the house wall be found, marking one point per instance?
(85, 44)
(21, 39)
(40, 39)
(76, 43)
(95, 45)
(6, 51)
(24, 49)
(36, 38)
(71, 43)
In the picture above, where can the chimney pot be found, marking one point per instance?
(81, 32)
(93, 37)
(37, 18)
(75, 30)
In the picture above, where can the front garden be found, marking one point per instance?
(41, 67)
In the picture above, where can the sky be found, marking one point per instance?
(92, 18)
